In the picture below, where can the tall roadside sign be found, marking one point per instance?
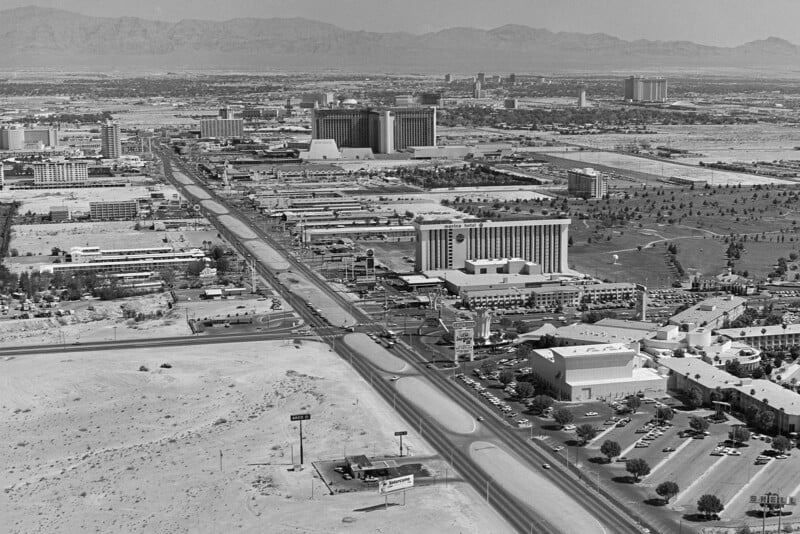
(464, 340)
(300, 417)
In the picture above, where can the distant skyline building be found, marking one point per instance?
(320, 100)
(477, 92)
(221, 128)
(640, 89)
(512, 79)
(511, 103)
(586, 183)
(450, 244)
(384, 131)
(582, 96)
(12, 138)
(110, 141)
(56, 172)
(481, 78)
(448, 78)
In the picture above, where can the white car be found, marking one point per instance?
(569, 427)
(592, 414)
(395, 377)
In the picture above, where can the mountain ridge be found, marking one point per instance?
(37, 36)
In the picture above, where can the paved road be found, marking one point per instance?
(451, 447)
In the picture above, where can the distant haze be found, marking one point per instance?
(44, 37)
(710, 22)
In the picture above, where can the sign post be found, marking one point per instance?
(300, 417)
(770, 501)
(391, 485)
(464, 340)
(401, 433)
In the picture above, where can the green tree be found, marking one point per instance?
(586, 433)
(694, 399)
(525, 390)
(709, 505)
(698, 424)
(562, 416)
(540, 403)
(638, 467)
(665, 413)
(634, 403)
(738, 435)
(506, 377)
(667, 490)
(610, 449)
(781, 444)
(195, 268)
(766, 420)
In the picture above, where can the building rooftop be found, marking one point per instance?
(632, 325)
(501, 280)
(602, 334)
(639, 374)
(701, 372)
(590, 350)
(775, 395)
(756, 331)
(708, 310)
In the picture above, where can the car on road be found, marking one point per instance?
(546, 466)
(592, 414)
(395, 377)
(558, 448)
(480, 418)
(569, 427)
(668, 449)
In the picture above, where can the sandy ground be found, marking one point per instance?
(77, 200)
(41, 238)
(659, 168)
(94, 445)
(106, 321)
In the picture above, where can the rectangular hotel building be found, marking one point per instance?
(449, 244)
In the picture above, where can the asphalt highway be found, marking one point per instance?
(451, 447)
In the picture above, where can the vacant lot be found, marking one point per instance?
(93, 444)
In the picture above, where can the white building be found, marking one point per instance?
(589, 372)
(448, 244)
(586, 183)
(55, 172)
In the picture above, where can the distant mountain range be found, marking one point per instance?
(52, 38)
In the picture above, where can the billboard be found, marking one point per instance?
(463, 339)
(390, 485)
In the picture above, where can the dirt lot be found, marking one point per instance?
(77, 200)
(39, 239)
(94, 445)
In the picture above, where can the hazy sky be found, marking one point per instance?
(718, 22)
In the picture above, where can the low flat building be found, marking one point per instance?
(711, 312)
(766, 337)
(598, 371)
(583, 333)
(694, 373)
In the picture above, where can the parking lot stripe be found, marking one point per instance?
(668, 457)
(600, 435)
(743, 488)
(699, 479)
